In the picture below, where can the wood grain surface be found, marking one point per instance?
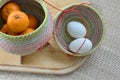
(59, 4)
(9, 59)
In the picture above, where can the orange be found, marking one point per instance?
(4, 29)
(33, 21)
(28, 30)
(8, 8)
(12, 33)
(18, 21)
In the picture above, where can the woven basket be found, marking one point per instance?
(94, 25)
(29, 43)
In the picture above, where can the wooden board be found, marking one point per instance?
(60, 4)
(50, 60)
(9, 59)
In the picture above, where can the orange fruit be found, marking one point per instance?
(4, 28)
(28, 30)
(33, 21)
(12, 33)
(17, 21)
(8, 8)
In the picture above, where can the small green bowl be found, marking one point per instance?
(21, 45)
(94, 23)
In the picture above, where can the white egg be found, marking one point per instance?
(80, 45)
(76, 29)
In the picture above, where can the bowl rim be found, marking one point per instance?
(97, 46)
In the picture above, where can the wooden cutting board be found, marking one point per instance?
(50, 60)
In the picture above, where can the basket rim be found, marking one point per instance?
(97, 46)
(26, 35)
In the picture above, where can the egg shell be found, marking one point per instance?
(76, 29)
(77, 43)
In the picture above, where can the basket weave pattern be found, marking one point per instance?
(29, 43)
(94, 25)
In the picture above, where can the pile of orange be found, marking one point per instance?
(17, 21)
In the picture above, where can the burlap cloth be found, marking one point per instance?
(104, 64)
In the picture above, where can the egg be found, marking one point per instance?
(80, 45)
(76, 29)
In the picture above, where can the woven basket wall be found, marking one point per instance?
(94, 25)
(29, 43)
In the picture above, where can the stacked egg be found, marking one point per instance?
(78, 31)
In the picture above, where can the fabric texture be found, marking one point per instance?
(104, 64)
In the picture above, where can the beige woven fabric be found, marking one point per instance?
(104, 64)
